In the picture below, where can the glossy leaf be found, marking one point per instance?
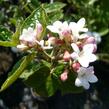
(68, 86)
(7, 43)
(38, 80)
(51, 85)
(37, 15)
(42, 81)
(58, 70)
(49, 8)
(5, 34)
(30, 70)
(10, 39)
(18, 71)
(56, 16)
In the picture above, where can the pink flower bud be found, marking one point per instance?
(65, 33)
(75, 66)
(79, 44)
(59, 42)
(90, 40)
(95, 48)
(66, 56)
(39, 28)
(64, 75)
(52, 40)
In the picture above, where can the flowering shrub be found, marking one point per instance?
(57, 55)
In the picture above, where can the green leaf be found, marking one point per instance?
(68, 86)
(16, 66)
(58, 70)
(38, 80)
(55, 16)
(49, 8)
(34, 67)
(45, 63)
(25, 61)
(31, 69)
(104, 32)
(7, 43)
(41, 80)
(5, 34)
(10, 39)
(15, 37)
(51, 85)
(37, 15)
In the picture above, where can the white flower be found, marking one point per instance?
(22, 47)
(28, 35)
(60, 28)
(85, 75)
(85, 56)
(27, 39)
(78, 27)
(41, 43)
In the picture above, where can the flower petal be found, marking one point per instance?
(75, 47)
(82, 81)
(84, 30)
(88, 48)
(22, 47)
(86, 85)
(91, 57)
(72, 26)
(82, 36)
(74, 56)
(78, 83)
(81, 23)
(52, 29)
(92, 78)
(90, 69)
(65, 25)
(83, 61)
(57, 24)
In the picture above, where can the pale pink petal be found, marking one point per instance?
(84, 30)
(92, 78)
(22, 47)
(91, 57)
(82, 36)
(81, 23)
(72, 26)
(57, 24)
(52, 29)
(86, 85)
(75, 47)
(83, 61)
(90, 69)
(78, 83)
(74, 56)
(65, 25)
(88, 48)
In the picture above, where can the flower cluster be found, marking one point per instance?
(68, 43)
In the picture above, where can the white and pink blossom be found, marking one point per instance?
(78, 27)
(85, 56)
(64, 75)
(85, 76)
(62, 28)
